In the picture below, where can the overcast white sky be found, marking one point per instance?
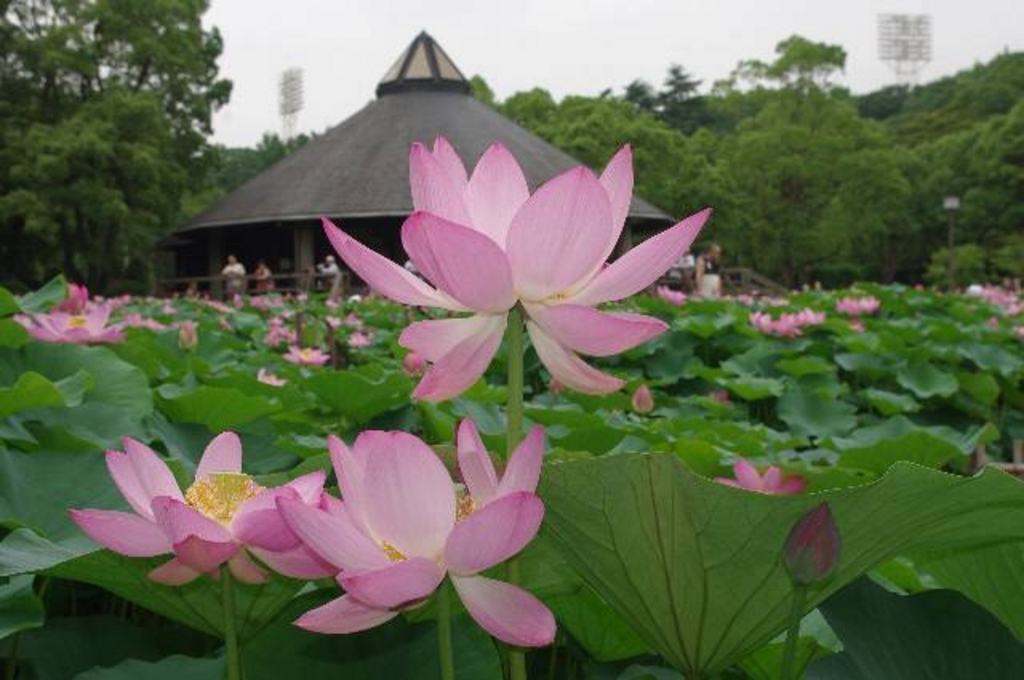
(565, 46)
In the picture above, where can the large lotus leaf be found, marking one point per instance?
(174, 667)
(925, 380)
(116, 401)
(218, 408)
(809, 414)
(361, 393)
(8, 303)
(55, 290)
(937, 635)
(992, 359)
(890, 403)
(992, 576)
(693, 566)
(35, 391)
(915, 446)
(12, 333)
(36, 490)
(20, 608)
(395, 650)
(805, 365)
(67, 646)
(750, 388)
(197, 605)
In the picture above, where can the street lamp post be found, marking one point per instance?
(951, 204)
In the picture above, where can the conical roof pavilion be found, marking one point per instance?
(359, 168)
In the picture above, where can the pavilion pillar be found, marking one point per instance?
(215, 260)
(304, 252)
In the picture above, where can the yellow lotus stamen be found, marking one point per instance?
(393, 553)
(218, 495)
(77, 321)
(465, 508)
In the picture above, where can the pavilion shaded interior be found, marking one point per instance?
(356, 173)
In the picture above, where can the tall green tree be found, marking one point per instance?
(106, 110)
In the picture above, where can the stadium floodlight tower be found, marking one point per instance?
(905, 44)
(290, 101)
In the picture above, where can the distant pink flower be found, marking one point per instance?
(76, 302)
(278, 333)
(413, 364)
(721, 396)
(788, 325)
(188, 335)
(993, 322)
(855, 307)
(306, 356)
(643, 401)
(220, 519)
(89, 328)
(136, 320)
(401, 529)
(268, 378)
(218, 306)
(353, 321)
(333, 322)
(857, 326)
(773, 482)
(1019, 332)
(555, 387)
(225, 325)
(358, 340)
(673, 297)
(488, 245)
(168, 310)
(331, 303)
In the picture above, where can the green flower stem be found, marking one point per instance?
(234, 661)
(514, 434)
(796, 615)
(444, 634)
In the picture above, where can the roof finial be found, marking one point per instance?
(423, 66)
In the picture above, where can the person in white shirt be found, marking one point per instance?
(234, 276)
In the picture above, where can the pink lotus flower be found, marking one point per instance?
(993, 323)
(788, 325)
(1019, 332)
(222, 518)
(268, 378)
(353, 321)
(77, 301)
(857, 326)
(188, 335)
(643, 401)
(413, 364)
(487, 245)
(358, 340)
(89, 328)
(306, 356)
(673, 297)
(773, 482)
(721, 396)
(855, 307)
(168, 309)
(333, 322)
(401, 529)
(278, 333)
(136, 320)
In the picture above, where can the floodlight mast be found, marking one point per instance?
(905, 44)
(290, 101)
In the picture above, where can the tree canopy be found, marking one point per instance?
(105, 110)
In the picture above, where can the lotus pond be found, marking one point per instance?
(652, 562)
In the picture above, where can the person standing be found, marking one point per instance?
(264, 278)
(234, 277)
(709, 279)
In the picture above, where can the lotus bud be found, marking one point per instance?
(414, 364)
(643, 402)
(188, 335)
(812, 548)
(555, 387)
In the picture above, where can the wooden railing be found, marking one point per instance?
(735, 280)
(299, 282)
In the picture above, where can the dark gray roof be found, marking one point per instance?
(359, 168)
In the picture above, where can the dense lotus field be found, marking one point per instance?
(876, 400)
